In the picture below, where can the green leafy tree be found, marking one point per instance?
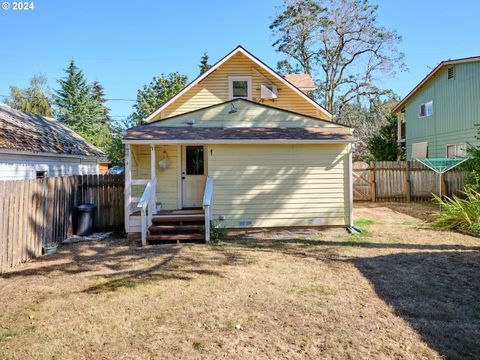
(150, 97)
(342, 43)
(204, 65)
(383, 145)
(99, 96)
(35, 98)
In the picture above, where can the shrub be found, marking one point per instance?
(217, 232)
(459, 213)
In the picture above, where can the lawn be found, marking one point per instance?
(398, 290)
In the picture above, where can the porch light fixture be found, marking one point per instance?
(233, 109)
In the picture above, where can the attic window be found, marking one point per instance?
(240, 87)
(451, 73)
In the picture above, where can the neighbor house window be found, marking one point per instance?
(240, 87)
(456, 151)
(420, 150)
(40, 174)
(425, 109)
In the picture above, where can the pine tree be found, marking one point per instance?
(34, 98)
(99, 96)
(76, 103)
(204, 65)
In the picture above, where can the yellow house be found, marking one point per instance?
(239, 147)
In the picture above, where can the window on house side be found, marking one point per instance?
(240, 87)
(40, 174)
(456, 151)
(425, 109)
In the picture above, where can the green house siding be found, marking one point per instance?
(456, 110)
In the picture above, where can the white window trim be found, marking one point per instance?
(420, 106)
(446, 149)
(231, 79)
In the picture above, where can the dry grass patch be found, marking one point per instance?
(403, 291)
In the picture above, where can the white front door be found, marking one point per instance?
(193, 175)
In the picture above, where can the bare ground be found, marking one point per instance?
(400, 290)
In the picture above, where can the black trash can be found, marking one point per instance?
(85, 219)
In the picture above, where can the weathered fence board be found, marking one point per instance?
(402, 181)
(36, 213)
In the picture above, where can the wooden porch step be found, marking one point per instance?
(172, 218)
(155, 228)
(175, 237)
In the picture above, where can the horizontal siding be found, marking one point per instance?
(247, 115)
(279, 185)
(18, 167)
(214, 89)
(167, 180)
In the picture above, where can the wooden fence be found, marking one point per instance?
(401, 181)
(36, 213)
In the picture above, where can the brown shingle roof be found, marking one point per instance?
(301, 81)
(24, 131)
(148, 132)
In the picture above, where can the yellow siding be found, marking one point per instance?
(280, 185)
(167, 180)
(247, 115)
(214, 89)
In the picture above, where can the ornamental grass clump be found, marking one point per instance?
(459, 213)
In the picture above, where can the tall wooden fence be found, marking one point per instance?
(402, 181)
(36, 213)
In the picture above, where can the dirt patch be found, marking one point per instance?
(398, 290)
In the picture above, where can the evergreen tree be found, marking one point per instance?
(76, 103)
(99, 96)
(150, 97)
(383, 145)
(34, 98)
(204, 65)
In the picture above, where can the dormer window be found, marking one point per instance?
(240, 87)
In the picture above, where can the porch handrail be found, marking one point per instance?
(207, 206)
(147, 208)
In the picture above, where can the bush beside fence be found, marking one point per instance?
(36, 213)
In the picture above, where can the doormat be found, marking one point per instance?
(99, 236)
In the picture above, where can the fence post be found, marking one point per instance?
(373, 187)
(444, 185)
(407, 180)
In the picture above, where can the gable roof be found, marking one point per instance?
(246, 110)
(238, 49)
(22, 131)
(430, 75)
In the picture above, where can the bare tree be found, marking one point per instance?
(341, 44)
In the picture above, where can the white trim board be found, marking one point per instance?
(237, 50)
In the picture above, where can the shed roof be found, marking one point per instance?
(22, 131)
(238, 134)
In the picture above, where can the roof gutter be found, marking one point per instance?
(31, 153)
(234, 142)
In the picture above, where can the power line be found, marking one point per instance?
(117, 99)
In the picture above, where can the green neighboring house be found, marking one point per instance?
(437, 118)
